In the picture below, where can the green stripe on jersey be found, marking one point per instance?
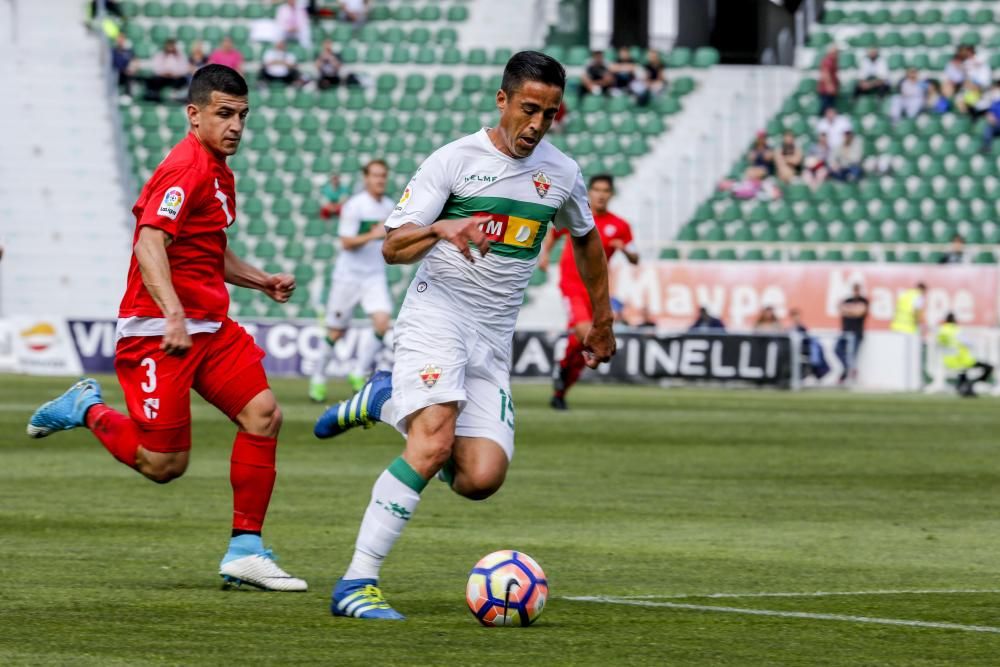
(464, 207)
(366, 226)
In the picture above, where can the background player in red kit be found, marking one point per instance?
(174, 334)
(615, 235)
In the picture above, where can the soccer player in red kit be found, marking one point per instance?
(615, 235)
(174, 334)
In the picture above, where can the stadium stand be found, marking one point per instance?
(926, 177)
(419, 92)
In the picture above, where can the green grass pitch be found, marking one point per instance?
(636, 492)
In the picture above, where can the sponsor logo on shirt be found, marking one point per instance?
(510, 230)
(405, 198)
(173, 199)
(479, 178)
(541, 182)
(429, 375)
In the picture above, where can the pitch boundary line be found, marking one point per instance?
(813, 594)
(786, 614)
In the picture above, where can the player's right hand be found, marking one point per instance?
(176, 340)
(464, 231)
(543, 263)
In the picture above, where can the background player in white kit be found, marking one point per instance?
(358, 277)
(490, 196)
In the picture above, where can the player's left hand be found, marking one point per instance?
(279, 286)
(599, 345)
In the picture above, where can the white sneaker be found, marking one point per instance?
(260, 571)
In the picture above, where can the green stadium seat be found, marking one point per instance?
(698, 254)
(451, 56)
(476, 56)
(679, 57)
(458, 13)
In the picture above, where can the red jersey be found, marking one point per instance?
(192, 197)
(611, 228)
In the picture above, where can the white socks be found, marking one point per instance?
(368, 346)
(394, 499)
(319, 372)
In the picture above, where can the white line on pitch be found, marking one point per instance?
(788, 614)
(812, 594)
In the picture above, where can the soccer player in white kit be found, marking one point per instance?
(358, 277)
(475, 213)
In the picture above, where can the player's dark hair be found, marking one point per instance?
(371, 163)
(597, 178)
(532, 66)
(215, 78)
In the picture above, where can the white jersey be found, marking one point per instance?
(359, 214)
(523, 196)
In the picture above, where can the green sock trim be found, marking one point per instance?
(330, 341)
(448, 472)
(402, 471)
(379, 337)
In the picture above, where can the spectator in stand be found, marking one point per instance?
(227, 55)
(971, 100)
(816, 165)
(911, 98)
(853, 313)
(628, 77)
(874, 75)
(279, 65)
(977, 69)
(124, 63)
(597, 79)
(935, 101)
(170, 70)
(954, 72)
(656, 72)
(828, 86)
(956, 253)
(761, 158)
(845, 165)
(293, 23)
(835, 126)
(767, 321)
(328, 67)
(788, 158)
(707, 323)
(354, 11)
(334, 195)
(197, 57)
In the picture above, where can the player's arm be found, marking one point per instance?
(627, 249)
(350, 234)
(409, 243)
(413, 227)
(151, 254)
(278, 286)
(353, 242)
(592, 264)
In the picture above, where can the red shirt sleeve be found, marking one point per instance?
(170, 199)
(625, 232)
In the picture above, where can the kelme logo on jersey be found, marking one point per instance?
(173, 199)
(541, 182)
(429, 375)
(510, 230)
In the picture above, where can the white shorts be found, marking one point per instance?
(372, 292)
(439, 360)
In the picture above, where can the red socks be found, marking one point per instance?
(572, 364)
(252, 475)
(119, 434)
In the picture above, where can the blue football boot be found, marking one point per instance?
(362, 409)
(66, 412)
(361, 598)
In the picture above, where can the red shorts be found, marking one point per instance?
(578, 307)
(224, 367)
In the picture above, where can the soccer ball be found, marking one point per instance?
(507, 588)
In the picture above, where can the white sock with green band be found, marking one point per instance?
(394, 499)
(319, 372)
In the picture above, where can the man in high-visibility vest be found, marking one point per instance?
(910, 306)
(958, 359)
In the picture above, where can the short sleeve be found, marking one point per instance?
(425, 195)
(575, 215)
(350, 221)
(625, 234)
(170, 198)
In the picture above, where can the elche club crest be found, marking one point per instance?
(541, 182)
(429, 375)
